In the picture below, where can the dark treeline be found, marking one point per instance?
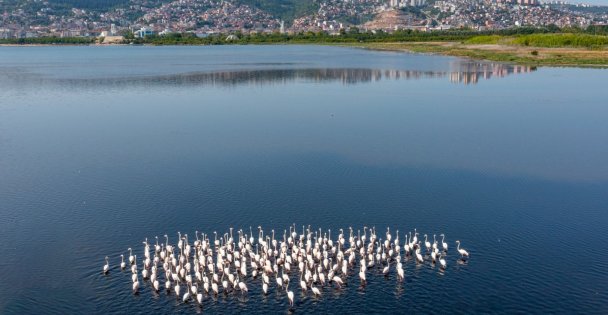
(353, 35)
(49, 41)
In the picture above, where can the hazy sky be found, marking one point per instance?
(600, 2)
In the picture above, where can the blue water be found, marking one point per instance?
(101, 147)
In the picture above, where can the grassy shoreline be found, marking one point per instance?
(524, 55)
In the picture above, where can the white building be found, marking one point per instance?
(143, 32)
(167, 31)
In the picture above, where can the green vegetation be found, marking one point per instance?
(562, 40)
(533, 37)
(48, 41)
(597, 30)
(353, 35)
(484, 40)
(543, 40)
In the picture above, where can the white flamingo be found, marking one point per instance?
(186, 296)
(442, 262)
(106, 267)
(135, 286)
(338, 281)
(443, 243)
(131, 257)
(289, 294)
(386, 269)
(418, 256)
(462, 251)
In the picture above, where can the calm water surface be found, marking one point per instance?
(103, 146)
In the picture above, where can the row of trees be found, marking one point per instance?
(353, 35)
(49, 41)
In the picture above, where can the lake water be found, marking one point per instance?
(101, 147)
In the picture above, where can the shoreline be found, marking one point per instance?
(523, 55)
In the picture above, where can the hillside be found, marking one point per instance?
(283, 9)
(100, 5)
(73, 18)
(286, 10)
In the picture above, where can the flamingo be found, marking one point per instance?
(177, 289)
(386, 269)
(338, 281)
(418, 256)
(134, 266)
(303, 283)
(106, 267)
(131, 257)
(442, 262)
(215, 288)
(279, 280)
(462, 251)
(186, 296)
(135, 286)
(400, 272)
(243, 287)
(289, 294)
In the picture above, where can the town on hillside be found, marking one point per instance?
(113, 19)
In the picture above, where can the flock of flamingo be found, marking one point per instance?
(225, 265)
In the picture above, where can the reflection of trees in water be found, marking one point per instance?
(462, 72)
(260, 77)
